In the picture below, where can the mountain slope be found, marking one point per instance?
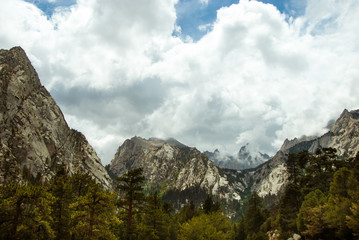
(35, 137)
(271, 177)
(180, 173)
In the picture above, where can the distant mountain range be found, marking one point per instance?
(244, 159)
(35, 140)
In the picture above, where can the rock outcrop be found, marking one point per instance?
(35, 138)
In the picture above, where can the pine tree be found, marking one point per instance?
(80, 182)
(293, 168)
(93, 214)
(187, 212)
(310, 217)
(320, 170)
(352, 219)
(60, 188)
(339, 203)
(25, 212)
(155, 223)
(210, 206)
(132, 197)
(288, 208)
(254, 216)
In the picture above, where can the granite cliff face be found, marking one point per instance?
(180, 173)
(34, 136)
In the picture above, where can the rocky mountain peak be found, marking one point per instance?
(35, 138)
(244, 159)
(180, 173)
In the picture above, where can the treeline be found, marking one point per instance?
(321, 201)
(76, 207)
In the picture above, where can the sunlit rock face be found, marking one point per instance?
(35, 138)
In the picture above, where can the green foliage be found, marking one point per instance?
(319, 170)
(61, 190)
(240, 230)
(132, 198)
(155, 222)
(80, 182)
(320, 202)
(352, 220)
(257, 236)
(255, 214)
(93, 213)
(288, 208)
(25, 212)
(210, 206)
(310, 218)
(211, 226)
(326, 186)
(339, 203)
(187, 212)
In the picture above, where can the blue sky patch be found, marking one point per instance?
(191, 14)
(48, 7)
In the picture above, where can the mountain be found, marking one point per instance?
(243, 160)
(180, 173)
(35, 138)
(270, 178)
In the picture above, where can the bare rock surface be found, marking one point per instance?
(35, 138)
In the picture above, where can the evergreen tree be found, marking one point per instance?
(80, 183)
(155, 223)
(352, 219)
(187, 212)
(254, 216)
(288, 208)
(25, 212)
(310, 218)
(93, 214)
(210, 206)
(132, 198)
(214, 226)
(60, 188)
(293, 168)
(339, 203)
(320, 170)
(240, 230)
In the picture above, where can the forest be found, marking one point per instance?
(319, 202)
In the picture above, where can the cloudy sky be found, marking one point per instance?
(210, 73)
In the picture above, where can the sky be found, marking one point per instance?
(210, 73)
